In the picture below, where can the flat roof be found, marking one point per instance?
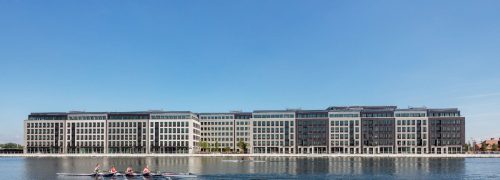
(272, 111)
(109, 113)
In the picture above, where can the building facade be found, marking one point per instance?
(223, 131)
(378, 130)
(112, 132)
(312, 132)
(335, 130)
(218, 130)
(242, 131)
(345, 130)
(174, 132)
(412, 131)
(273, 132)
(447, 131)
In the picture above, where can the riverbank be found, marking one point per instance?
(263, 155)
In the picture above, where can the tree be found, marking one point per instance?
(227, 149)
(11, 146)
(484, 146)
(494, 147)
(216, 146)
(242, 145)
(466, 147)
(204, 145)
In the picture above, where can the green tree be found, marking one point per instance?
(204, 145)
(484, 146)
(494, 147)
(216, 146)
(466, 147)
(227, 149)
(11, 146)
(243, 146)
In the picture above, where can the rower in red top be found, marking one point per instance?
(146, 170)
(113, 170)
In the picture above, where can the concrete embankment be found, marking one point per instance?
(264, 155)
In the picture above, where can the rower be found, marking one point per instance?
(129, 170)
(97, 168)
(113, 170)
(146, 170)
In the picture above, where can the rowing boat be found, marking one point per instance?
(151, 175)
(166, 174)
(90, 174)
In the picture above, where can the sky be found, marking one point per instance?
(219, 56)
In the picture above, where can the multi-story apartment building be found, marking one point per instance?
(218, 130)
(377, 129)
(85, 133)
(273, 131)
(127, 132)
(345, 129)
(242, 130)
(447, 131)
(112, 132)
(338, 129)
(312, 132)
(225, 130)
(412, 131)
(44, 133)
(174, 132)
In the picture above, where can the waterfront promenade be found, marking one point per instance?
(263, 155)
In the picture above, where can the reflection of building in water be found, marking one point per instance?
(377, 165)
(276, 165)
(345, 165)
(447, 166)
(411, 167)
(349, 130)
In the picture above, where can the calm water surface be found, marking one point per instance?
(263, 168)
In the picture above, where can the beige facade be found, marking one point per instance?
(115, 132)
(218, 130)
(345, 132)
(273, 132)
(412, 131)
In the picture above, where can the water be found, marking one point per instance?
(263, 167)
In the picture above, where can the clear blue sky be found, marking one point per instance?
(243, 55)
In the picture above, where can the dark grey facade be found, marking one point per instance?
(447, 129)
(378, 129)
